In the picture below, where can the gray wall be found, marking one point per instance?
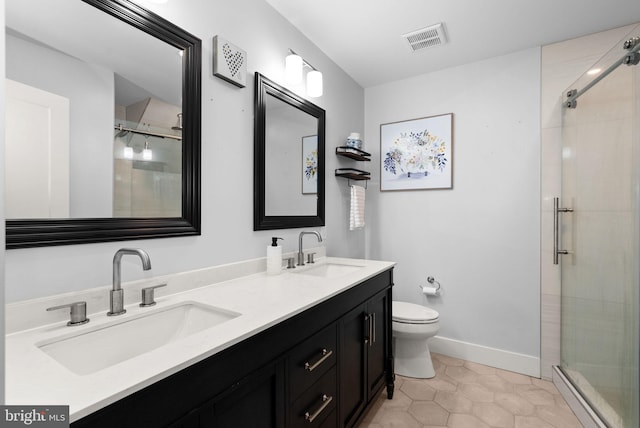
(2, 235)
(90, 92)
(481, 238)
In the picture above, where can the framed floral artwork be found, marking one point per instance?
(416, 154)
(310, 165)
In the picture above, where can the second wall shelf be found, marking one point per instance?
(355, 154)
(353, 174)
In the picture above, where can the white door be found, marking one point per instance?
(37, 153)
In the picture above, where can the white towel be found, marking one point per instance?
(356, 216)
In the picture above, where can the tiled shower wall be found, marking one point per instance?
(561, 65)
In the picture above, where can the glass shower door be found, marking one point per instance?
(600, 162)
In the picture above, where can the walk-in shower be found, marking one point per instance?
(147, 170)
(598, 238)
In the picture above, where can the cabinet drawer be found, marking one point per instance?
(316, 407)
(311, 359)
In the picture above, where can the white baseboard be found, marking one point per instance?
(512, 361)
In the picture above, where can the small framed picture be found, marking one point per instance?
(310, 165)
(229, 62)
(417, 154)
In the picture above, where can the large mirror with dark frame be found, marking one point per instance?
(289, 156)
(102, 124)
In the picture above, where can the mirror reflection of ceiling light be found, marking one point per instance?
(147, 154)
(128, 152)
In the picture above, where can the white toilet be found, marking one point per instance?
(413, 325)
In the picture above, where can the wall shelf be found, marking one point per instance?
(353, 153)
(353, 174)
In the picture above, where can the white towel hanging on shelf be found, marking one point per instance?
(356, 215)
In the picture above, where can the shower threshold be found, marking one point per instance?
(581, 407)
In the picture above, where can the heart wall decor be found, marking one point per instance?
(229, 62)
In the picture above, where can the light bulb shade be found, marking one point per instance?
(314, 83)
(147, 154)
(293, 69)
(128, 152)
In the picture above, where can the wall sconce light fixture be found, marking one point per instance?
(314, 83)
(294, 65)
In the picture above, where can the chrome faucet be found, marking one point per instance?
(300, 253)
(117, 293)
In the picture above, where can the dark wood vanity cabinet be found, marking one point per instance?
(256, 401)
(364, 358)
(322, 368)
(312, 382)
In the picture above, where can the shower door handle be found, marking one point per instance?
(556, 229)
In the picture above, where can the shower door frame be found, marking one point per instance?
(589, 416)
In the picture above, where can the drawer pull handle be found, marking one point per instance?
(311, 367)
(325, 402)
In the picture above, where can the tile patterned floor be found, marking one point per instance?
(469, 395)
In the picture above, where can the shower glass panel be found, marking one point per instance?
(147, 171)
(600, 279)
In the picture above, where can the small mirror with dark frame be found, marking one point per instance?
(289, 159)
(184, 216)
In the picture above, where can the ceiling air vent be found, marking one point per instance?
(426, 37)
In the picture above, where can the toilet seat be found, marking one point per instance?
(410, 313)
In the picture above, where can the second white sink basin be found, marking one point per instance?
(329, 270)
(94, 350)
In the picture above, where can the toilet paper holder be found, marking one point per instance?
(431, 291)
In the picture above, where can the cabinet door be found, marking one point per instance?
(192, 420)
(352, 358)
(378, 315)
(255, 402)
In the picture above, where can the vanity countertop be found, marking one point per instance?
(34, 378)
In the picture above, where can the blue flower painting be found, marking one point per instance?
(416, 154)
(310, 164)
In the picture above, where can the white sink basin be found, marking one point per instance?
(329, 270)
(94, 350)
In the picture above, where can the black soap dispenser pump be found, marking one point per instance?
(274, 257)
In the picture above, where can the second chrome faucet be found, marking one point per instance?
(116, 295)
(300, 252)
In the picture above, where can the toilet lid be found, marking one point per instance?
(412, 313)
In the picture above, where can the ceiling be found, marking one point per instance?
(364, 36)
(140, 60)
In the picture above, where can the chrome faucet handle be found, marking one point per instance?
(77, 312)
(148, 295)
(310, 258)
(291, 263)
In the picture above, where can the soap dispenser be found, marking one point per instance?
(274, 257)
